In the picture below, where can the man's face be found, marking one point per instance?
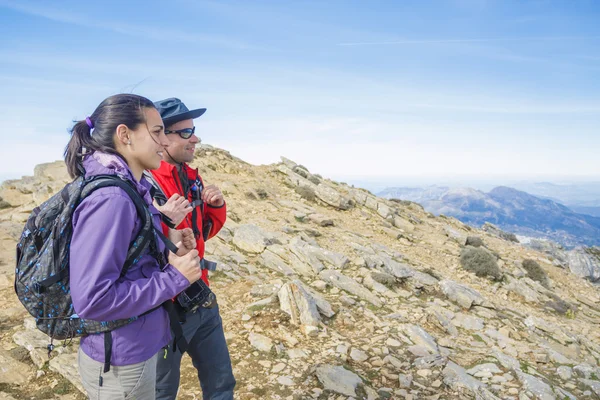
(180, 149)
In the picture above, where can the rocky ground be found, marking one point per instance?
(328, 292)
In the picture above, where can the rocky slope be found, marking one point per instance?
(329, 292)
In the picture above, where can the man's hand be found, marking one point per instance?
(213, 196)
(184, 240)
(176, 208)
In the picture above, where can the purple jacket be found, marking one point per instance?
(103, 226)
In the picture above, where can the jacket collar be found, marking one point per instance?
(99, 163)
(167, 170)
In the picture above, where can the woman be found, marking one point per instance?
(123, 136)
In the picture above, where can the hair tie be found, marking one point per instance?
(89, 122)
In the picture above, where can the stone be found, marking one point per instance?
(594, 385)
(285, 381)
(338, 379)
(295, 301)
(278, 368)
(420, 337)
(468, 322)
(405, 380)
(358, 355)
(462, 295)
(250, 239)
(522, 289)
(66, 365)
(565, 373)
(584, 264)
(457, 379)
(482, 370)
(276, 263)
(321, 220)
(13, 372)
(296, 354)
(36, 342)
(332, 197)
(403, 224)
(350, 285)
(539, 388)
(260, 342)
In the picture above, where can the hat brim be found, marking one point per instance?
(192, 114)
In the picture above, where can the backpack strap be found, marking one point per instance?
(159, 196)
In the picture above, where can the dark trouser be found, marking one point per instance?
(208, 350)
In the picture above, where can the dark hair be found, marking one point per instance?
(127, 109)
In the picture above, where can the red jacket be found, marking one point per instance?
(167, 178)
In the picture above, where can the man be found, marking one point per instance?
(190, 205)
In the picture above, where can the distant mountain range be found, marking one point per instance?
(510, 209)
(581, 197)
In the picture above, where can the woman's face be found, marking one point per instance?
(148, 141)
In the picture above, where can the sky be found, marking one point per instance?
(395, 92)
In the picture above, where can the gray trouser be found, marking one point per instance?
(128, 382)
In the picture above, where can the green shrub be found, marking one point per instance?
(306, 193)
(314, 179)
(481, 262)
(474, 241)
(535, 272)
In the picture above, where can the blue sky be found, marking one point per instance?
(394, 91)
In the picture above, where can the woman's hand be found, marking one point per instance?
(184, 240)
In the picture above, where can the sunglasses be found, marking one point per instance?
(184, 133)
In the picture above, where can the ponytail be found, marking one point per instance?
(81, 141)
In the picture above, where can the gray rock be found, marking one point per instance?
(455, 234)
(584, 264)
(358, 355)
(251, 239)
(321, 220)
(338, 379)
(420, 337)
(260, 342)
(584, 370)
(343, 282)
(519, 287)
(276, 263)
(322, 305)
(565, 373)
(397, 269)
(298, 304)
(288, 163)
(494, 230)
(443, 318)
(36, 342)
(405, 380)
(13, 372)
(468, 322)
(594, 385)
(67, 366)
(482, 370)
(507, 361)
(457, 379)
(463, 295)
(539, 388)
(421, 279)
(332, 197)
